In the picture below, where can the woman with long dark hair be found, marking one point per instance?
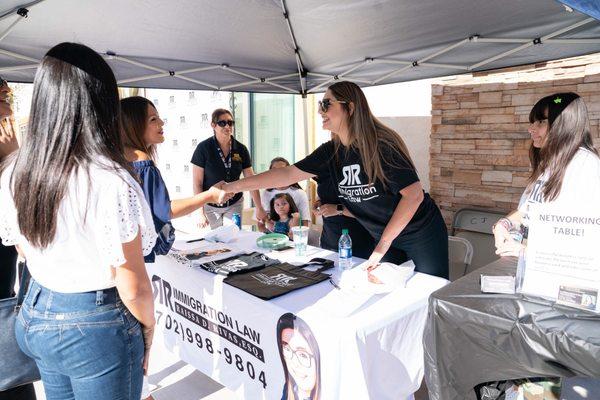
(565, 164)
(71, 204)
(142, 131)
(299, 353)
(375, 179)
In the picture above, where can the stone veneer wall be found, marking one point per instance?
(479, 140)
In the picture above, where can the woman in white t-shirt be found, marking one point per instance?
(294, 190)
(564, 161)
(72, 206)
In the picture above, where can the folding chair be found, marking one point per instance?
(476, 226)
(460, 256)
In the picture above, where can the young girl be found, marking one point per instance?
(294, 190)
(142, 130)
(283, 214)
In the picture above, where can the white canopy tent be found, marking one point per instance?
(293, 46)
(298, 46)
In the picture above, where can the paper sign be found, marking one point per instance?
(563, 255)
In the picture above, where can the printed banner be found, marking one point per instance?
(249, 345)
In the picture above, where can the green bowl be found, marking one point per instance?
(272, 241)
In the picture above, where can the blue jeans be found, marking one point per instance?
(86, 345)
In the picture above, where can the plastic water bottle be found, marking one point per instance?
(237, 220)
(345, 251)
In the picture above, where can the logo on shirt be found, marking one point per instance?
(236, 157)
(352, 189)
(350, 174)
(281, 280)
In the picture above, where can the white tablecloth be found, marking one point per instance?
(373, 352)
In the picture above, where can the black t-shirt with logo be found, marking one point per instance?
(362, 242)
(370, 203)
(207, 156)
(238, 264)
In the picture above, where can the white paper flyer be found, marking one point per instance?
(563, 255)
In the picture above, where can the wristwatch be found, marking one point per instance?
(340, 209)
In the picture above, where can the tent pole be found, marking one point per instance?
(17, 9)
(533, 42)
(162, 72)
(306, 146)
(340, 76)
(18, 67)
(20, 56)
(255, 80)
(424, 59)
(22, 13)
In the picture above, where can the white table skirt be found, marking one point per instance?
(373, 352)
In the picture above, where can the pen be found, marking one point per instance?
(334, 284)
(194, 240)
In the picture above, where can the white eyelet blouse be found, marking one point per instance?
(95, 218)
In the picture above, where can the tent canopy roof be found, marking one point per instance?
(250, 45)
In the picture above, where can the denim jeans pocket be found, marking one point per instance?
(132, 325)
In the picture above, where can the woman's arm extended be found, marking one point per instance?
(272, 178)
(181, 207)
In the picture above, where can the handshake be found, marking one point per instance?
(219, 193)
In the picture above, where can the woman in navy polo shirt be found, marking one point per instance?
(375, 179)
(222, 158)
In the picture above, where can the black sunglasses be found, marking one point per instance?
(223, 123)
(326, 103)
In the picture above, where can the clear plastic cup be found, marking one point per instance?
(300, 235)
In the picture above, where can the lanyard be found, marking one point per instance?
(226, 160)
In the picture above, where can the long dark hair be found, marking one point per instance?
(568, 130)
(74, 123)
(290, 321)
(375, 142)
(287, 164)
(134, 119)
(538, 113)
(293, 207)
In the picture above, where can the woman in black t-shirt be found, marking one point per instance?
(375, 179)
(222, 158)
(337, 217)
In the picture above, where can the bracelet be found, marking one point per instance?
(505, 222)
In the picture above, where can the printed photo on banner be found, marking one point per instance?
(234, 345)
(300, 358)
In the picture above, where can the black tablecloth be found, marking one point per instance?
(473, 337)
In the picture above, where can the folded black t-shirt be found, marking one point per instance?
(372, 203)
(238, 264)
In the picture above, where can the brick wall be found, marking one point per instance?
(479, 139)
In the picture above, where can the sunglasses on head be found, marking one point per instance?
(223, 123)
(326, 103)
